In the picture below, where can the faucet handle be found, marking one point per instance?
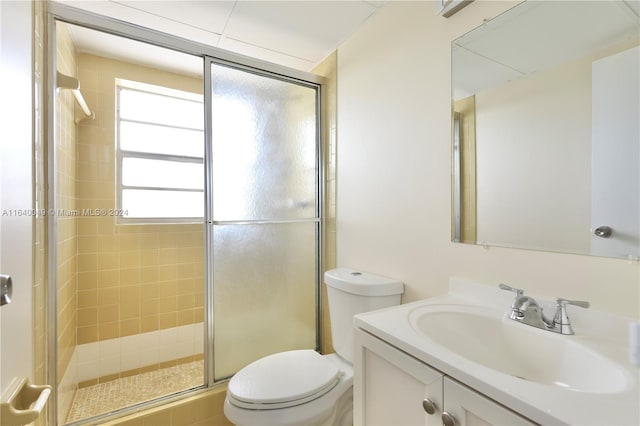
(561, 319)
(517, 291)
(560, 302)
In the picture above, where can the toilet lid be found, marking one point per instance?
(283, 379)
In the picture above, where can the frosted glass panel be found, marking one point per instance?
(264, 147)
(264, 292)
(264, 167)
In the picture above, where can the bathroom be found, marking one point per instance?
(393, 193)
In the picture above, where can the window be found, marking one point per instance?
(160, 138)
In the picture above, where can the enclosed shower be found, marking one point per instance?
(187, 228)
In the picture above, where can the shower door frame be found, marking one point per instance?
(210, 55)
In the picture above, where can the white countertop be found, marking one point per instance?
(545, 404)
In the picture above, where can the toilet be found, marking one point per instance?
(302, 387)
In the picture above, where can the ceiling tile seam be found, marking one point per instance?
(168, 19)
(360, 25)
(374, 4)
(270, 49)
(223, 35)
(473, 52)
(631, 9)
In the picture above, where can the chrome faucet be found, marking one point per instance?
(526, 310)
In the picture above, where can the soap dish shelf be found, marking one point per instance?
(23, 402)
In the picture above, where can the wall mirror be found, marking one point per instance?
(546, 129)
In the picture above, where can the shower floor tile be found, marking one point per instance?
(110, 396)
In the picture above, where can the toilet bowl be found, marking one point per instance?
(302, 387)
(299, 395)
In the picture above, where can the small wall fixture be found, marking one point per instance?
(23, 402)
(66, 82)
(6, 289)
(450, 7)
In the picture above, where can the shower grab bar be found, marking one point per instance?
(72, 83)
(263, 222)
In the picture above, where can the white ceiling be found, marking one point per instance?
(297, 34)
(538, 35)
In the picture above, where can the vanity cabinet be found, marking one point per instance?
(392, 388)
(469, 407)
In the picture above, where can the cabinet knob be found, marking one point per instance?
(448, 419)
(603, 231)
(429, 406)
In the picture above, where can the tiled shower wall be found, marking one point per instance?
(328, 69)
(40, 203)
(112, 280)
(65, 146)
(131, 278)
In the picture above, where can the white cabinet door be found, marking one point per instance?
(390, 386)
(469, 408)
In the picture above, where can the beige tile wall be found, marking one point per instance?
(131, 278)
(40, 203)
(66, 202)
(328, 69)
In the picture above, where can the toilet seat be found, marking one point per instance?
(283, 380)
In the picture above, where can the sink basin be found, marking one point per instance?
(484, 337)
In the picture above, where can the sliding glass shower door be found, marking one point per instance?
(143, 299)
(265, 215)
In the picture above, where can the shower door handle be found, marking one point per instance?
(262, 222)
(6, 289)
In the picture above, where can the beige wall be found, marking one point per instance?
(548, 118)
(394, 170)
(131, 278)
(558, 153)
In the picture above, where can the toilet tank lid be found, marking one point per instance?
(362, 283)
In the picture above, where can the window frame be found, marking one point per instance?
(122, 219)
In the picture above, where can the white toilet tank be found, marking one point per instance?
(351, 292)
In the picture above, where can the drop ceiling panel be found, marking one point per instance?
(145, 19)
(304, 29)
(210, 16)
(296, 34)
(542, 24)
(473, 73)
